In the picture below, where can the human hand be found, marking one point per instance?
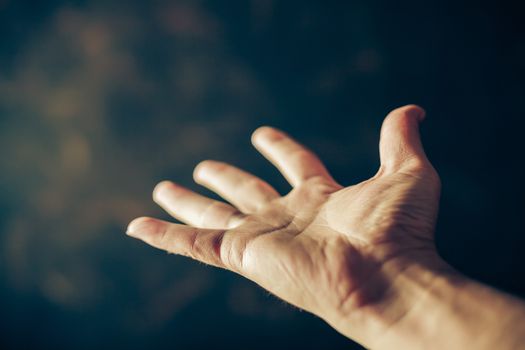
(335, 251)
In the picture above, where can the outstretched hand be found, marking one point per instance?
(335, 251)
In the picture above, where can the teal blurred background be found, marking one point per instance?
(100, 100)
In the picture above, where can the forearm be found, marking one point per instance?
(442, 309)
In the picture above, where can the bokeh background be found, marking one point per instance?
(100, 100)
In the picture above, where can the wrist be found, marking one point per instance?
(429, 305)
(422, 294)
(398, 302)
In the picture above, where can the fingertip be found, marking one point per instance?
(197, 171)
(266, 133)
(142, 227)
(258, 133)
(403, 118)
(411, 111)
(200, 170)
(400, 142)
(161, 189)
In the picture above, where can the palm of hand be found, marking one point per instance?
(328, 241)
(321, 246)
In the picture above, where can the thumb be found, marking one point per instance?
(400, 143)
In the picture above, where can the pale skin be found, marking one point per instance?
(360, 257)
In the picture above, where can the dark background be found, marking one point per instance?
(100, 100)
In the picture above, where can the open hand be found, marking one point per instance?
(335, 251)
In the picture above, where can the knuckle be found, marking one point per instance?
(232, 252)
